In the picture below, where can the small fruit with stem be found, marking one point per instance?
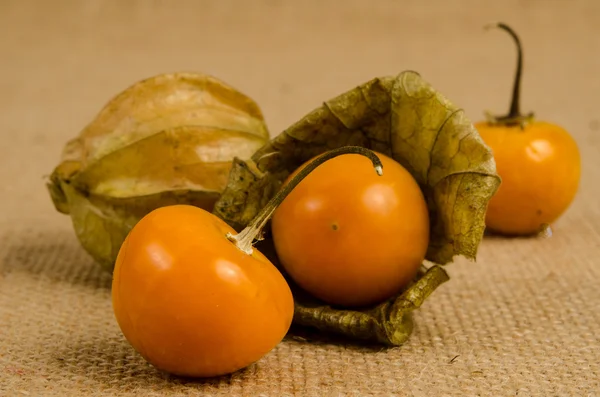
(538, 161)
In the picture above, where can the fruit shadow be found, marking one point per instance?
(56, 256)
(109, 360)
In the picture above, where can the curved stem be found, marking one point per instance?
(514, 115)
(246, 237)
(515, 110)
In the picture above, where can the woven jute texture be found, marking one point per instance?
(521, 320)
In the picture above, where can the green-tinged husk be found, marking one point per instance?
(403, 117)
(389, 323)
(165, 140)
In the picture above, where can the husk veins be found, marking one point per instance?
(403, 117)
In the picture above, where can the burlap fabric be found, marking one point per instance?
(522, 320)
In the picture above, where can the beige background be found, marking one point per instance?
(522, 321)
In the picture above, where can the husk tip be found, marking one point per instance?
(57, 194)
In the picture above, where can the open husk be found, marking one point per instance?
(403, 117)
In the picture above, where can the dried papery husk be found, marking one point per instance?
(405, 118)
(165, 140)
